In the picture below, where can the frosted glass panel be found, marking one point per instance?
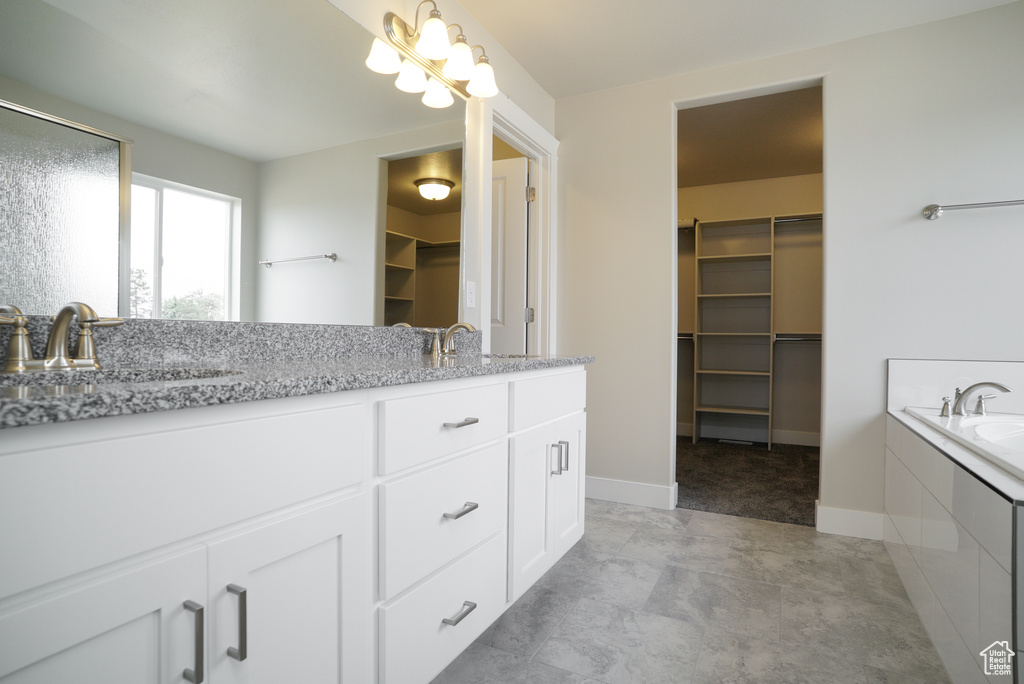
(59, 216)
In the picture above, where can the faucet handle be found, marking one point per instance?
(435, 343)
(107, 323)
(979, 409)
(19, 352)
(944, 413)
(85, 354)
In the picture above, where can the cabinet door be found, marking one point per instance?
(567, 489)
(546, 490)
(129, 627)
(293, 597)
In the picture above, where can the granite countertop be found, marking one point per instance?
(38, 398)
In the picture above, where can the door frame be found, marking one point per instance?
(503, 118)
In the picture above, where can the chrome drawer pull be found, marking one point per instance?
(463, 423)
(196, 675)
(469, 507)
(241, 653)
(559, 461)
(467, 608)
(563, 454)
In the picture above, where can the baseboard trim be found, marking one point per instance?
(778, 436)
(635, 493)
(848, 522)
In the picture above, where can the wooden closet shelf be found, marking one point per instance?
(736, 295)
(736, 410)
(400, 267)
(391, 298)
(751, 373)
(755, 256)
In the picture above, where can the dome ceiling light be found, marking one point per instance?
(434, 189)
(432, 65)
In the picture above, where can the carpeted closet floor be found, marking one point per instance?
(748, 481)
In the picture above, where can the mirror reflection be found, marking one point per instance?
(271, 119)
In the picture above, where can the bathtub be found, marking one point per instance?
(997, 437)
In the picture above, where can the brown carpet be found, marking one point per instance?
(748, 481)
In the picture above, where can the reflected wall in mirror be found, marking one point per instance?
(271, 106)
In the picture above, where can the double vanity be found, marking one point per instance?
(220, 516)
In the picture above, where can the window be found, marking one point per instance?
(183, 255)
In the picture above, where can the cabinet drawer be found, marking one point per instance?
(418, 429)
(97, 502)
(416, 538)
(414, 642)
(539, 400)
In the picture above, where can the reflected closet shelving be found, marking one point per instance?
(400, 256)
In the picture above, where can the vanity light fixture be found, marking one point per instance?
(434, 188)
(449, 66)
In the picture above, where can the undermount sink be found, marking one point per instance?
(110, 377)
(509, 356)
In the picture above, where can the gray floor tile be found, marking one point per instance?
(604, 534)
(811, 570)
(808, 538)
(877, 676)
(715, 601)
(677, 546)
(481, 664)
(889, 637)
(529, 622)
(641, 515)
(621, 646)
(873, 581)
(716, 525)
(731, 658)
(585, 573)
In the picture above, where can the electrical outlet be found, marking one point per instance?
(470, 294)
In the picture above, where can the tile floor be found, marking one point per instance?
(687, 597)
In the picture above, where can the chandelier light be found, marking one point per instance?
(434, 188)
(427, 53)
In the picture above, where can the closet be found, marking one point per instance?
(751, 362)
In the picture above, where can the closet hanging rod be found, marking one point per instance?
(794, 219)
(934, 211)
(270, 262)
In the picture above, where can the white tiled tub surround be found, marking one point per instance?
(949, 515)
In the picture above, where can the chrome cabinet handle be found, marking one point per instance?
(463, 423)
(196, 675)
(559, 459)
(467, 608)
(241, 653)
(469, 507)
(563, 453)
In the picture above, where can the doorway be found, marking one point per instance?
(510, 231)
(749, 184)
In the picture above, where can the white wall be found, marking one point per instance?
(911, 117)
(165, 156)
(330, 201)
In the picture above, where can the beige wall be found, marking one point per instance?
(911, 117)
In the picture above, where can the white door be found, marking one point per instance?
(509, 212)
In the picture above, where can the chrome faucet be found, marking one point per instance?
(448, 345)
(961, 399)
(20, 358)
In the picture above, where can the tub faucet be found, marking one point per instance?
(961, 400)
(448, 346)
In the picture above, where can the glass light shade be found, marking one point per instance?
(433, 42)
(411, 78)
(437, 95)
(459, 66)
(383, 58)
(482, 84)
(434, 188)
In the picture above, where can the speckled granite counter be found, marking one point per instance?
(257, 361)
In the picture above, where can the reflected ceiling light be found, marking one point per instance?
(437, 95)
(383, 58)
(429, 49)
(434, 188)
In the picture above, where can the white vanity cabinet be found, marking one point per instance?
(546, 473)
(124, 533)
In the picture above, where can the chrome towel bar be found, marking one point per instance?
(270, 262)
(934, 211)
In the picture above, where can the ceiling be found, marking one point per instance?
(260, 79)
(403, 174)
(750, 139)
(578, 46)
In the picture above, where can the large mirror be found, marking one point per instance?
(268, 106)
